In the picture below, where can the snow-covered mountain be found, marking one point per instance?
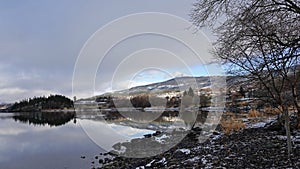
(169, 87)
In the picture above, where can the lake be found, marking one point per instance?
(30, 145)
(59, 140)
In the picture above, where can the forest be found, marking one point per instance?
(42, 103)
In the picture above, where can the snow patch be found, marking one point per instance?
(163, 160)
(257, 125)
(149, 164)
(122, 149)
(195, 159)
(162, 138)
(203, 160)
(185, 151)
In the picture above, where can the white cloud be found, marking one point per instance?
(10, 91)
(179, 74)
(15, 93)
(38, 55)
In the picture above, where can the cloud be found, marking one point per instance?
(179, 74)
(40, 43)
(16, 93)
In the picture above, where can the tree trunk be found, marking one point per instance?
(287, 129)
(298, 118)
(295, 100)
(296, 104)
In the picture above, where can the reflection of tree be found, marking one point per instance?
(189, 118)
(117, 116)
(140, 101)
(160, 141)
(42, 118)
(205, 100)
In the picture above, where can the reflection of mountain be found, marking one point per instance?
(42, 118)
(151, 120)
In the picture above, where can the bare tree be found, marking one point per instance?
(260, 41)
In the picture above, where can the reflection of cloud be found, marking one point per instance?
(11, 131)
(50, 147)
(14, 130)
(130, 131)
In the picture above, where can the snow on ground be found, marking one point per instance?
(185, 151)
(257, 125)
(252, 123)
(205, 161)
(162, 138)
(163, 161)
(192, 160)
(149, 164)
(140, 167)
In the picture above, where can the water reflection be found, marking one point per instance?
(42, 118)
(43, 146)
(52, 140)
(134, 135)
(170, 128)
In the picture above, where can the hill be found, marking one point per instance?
(42, 103)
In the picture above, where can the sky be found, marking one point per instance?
(40, 42)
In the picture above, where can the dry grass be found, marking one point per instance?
(228, 113)
(254, 113)
(234, 115)
(232, 125)
(272, 111)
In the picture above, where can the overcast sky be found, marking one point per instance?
(41, 40)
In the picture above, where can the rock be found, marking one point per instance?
(216, 133)
(178, 154)
(101, 161)
(197, 129)
(275, 126)
(157, 133)
(147, 135)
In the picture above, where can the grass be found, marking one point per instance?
(232, 125)
(272, 111)
(254, 113)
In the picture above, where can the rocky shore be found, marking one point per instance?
(251, 148)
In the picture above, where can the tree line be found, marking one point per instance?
(42, 103)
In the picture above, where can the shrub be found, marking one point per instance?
(231, 125)
(272, 111)
(254, 113)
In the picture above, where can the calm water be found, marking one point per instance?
(58, 140)
(35, 141)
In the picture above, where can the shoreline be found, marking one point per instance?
(249, 148)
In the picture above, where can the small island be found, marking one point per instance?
(43, 104)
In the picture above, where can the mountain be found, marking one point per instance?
(171, 87)
(178, 84)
